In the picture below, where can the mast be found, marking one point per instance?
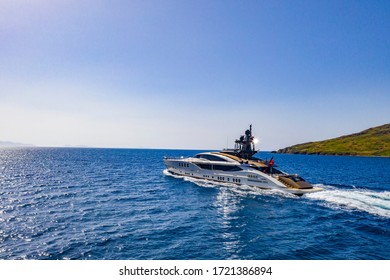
(245, 144)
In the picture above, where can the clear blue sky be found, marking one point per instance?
(191, 74)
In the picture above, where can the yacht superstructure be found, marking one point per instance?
(240, 167)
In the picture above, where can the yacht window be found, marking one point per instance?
(212, 157)
(204, 166)
(226, 167)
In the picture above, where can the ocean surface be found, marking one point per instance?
(70, 203)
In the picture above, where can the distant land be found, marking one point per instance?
(9, 144)
(374, 141)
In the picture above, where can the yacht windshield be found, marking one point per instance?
(210, 157)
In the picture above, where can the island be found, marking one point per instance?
(374, 141)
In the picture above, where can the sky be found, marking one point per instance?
(187, 74)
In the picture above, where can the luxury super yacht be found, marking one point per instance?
(238, 166)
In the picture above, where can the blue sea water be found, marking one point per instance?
(70, 203)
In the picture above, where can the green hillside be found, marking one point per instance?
(371, 142)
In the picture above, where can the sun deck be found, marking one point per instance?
(257, 163)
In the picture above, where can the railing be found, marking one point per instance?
(181, 157)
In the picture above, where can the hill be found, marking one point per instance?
(374, 141)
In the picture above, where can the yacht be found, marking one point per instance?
(238, 166)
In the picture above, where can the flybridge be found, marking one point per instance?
(244, 147)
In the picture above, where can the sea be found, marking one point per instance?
(120, 204)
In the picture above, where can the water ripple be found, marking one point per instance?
(118, 204)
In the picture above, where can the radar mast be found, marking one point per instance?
(244, 147)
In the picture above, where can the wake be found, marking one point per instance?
(372, 202)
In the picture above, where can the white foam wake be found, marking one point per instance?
(167, 173)
(375, 203)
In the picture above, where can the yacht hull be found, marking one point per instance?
(243, 174)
